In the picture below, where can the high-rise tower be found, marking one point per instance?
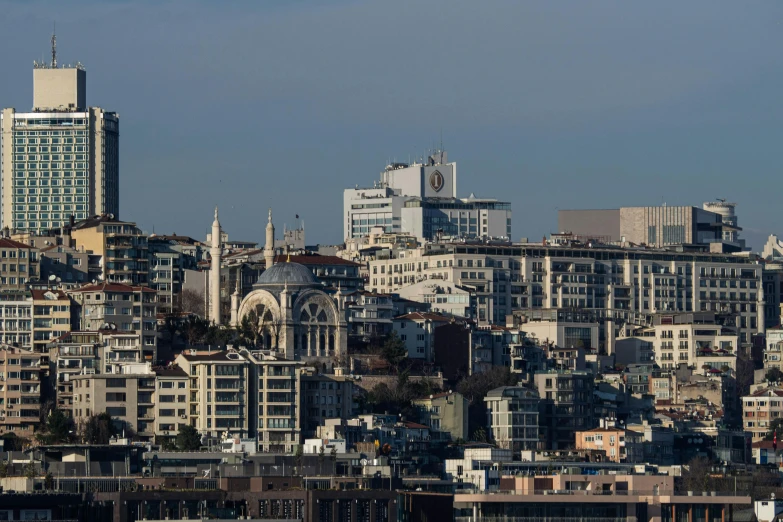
(62, 158)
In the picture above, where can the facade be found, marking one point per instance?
(773, 352)
(611, 283)
(76, 353)
(324, 397)
(61, 159)
(656, 226)
(369, 314)
(119, 308)
(168, 405)
(169, 259)
(443, 297)
(21, 386)
(122, 244)
(420, 199)
(513, 417)
(19, 264)
(610, 440)
(51, 317)
(417, 331)
(567, 398)
(760, 409)
(445, 414)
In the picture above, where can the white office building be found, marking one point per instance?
(421, 199)
(62, 158)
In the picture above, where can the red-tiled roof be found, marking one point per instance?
(424, 316)
(765, 392)
(10, 243)
(113, 287)
(41, 294)
(314, 259)
(414, 425)
(763, 444)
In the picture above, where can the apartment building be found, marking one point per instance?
(445, 414)
(21, 382)
(513, 418)
(369, 314)
(417, 331)
(567, 405)
(171, 399)
(696, 340)
(126, 396)
(120, 308)
(760, 408)
(610, 282)
(122, 244)
(169, 257)
(324, 397)
(219, 385)
(610, 440)
(75, 353)
(51, 317)
(19, 264)
(773, 351)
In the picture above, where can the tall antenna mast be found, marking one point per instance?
(54, 46)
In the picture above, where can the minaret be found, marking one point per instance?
(269, 249)
(235, 305)
(214, 273)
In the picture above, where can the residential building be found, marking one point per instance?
(219, 386)
(445, 414)
(417, 331)
(567, 405)
(19, 264)
(760, 409)
(513, 418)
(118, 307)
(369, 314)
(773, 352)
(169, 258)
(123, 395)
(21, 388)
(67, 267)
(609, 439)
(324, 397)
(51, 318)
(420, 199)
(75, 353)
(62, 158)
(443, 297)
(461, 348)
(167, 405)
(122, 245)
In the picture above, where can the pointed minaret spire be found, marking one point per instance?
(215, 252)
(269, 248)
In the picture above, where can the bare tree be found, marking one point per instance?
(192, 301)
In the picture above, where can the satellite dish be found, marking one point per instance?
(52, 277)
(364, 462)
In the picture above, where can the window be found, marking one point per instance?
(115, 383)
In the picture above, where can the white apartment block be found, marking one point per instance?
(610, 281)
(61, 159)
(759, 409)
(512, 414)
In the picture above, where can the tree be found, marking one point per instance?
(49, 481)
(188, 438)
(193, 302)
(98, 429)
(29, 470)
(774, 375)
(3, 468)
(696, 475)
(394, 351)
(196, 330)
(58, 428)
(776, 426)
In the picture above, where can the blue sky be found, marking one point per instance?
(568, 104)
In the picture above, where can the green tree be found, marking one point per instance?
(58, 428)
(774, 375)
(480, 435)
(99, 429)
(49, 481)
(188, 439)
(3, 468)
(394, 351)
(29, 470)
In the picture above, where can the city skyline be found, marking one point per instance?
(616, 102)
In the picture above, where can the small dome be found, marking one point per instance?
(291, 273)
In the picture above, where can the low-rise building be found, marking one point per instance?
(760, 409)
(21, 385)
(417, 331)
(609, 439)
(324, 397)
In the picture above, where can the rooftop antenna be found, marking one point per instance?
(54, 46)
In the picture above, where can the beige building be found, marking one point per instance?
(610, 440)
(122, 244)
(445, 414)
(218, 391)
(74, 354)
(19, 264)
(171, 399)
(51, 317)
(120, 308)
(127, 397)
(62, 158)
(324, 397)
(20, 390)
(760, 409)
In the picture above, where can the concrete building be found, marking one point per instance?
(169, 259)
(118, 394)
(62, 158)
(369, 314)
(513, 418)
(118, 307)
(21, 388)
(51, 317)
(76, 353)
(660, 226)
(324, 397)
(168, 405)
(420, 199)
(122, 245)
(760, 409)
(19, 264)
(443, 297)
(417, 332)
(567, 398)
(610, 440)
(445, 414)
(218, 373)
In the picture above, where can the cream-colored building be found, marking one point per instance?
(21, 381)
(62, 158)
(51, 317)
(76, 353)
(19, 264)
(610, 440)
(122, 244)
(760, 409)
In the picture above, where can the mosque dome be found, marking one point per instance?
(287, 273)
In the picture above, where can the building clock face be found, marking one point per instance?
(436, 181)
